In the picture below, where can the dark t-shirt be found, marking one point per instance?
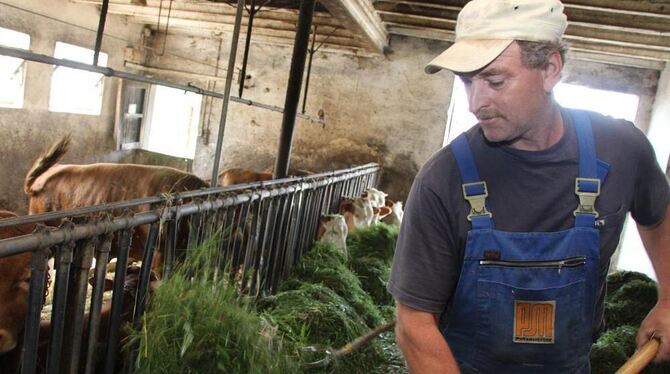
(529, 191)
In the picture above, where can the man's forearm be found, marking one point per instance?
(422, 344)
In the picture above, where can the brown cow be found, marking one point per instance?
(233, 176)
(52, 186)
(14, 285)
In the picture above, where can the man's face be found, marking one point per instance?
(506, 97)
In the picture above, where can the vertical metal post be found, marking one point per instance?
(101, 30)
(293, 88)
(226, 91)
(247, 45)
(101, 259)
(64, 259)
(117, 301)
(38, 276)
(312, 51)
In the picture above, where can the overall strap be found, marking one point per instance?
(474, 189)
(587, 184)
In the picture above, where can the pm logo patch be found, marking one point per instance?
(534, 322)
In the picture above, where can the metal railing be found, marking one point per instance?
(267, 226)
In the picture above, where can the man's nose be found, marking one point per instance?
(478, 96)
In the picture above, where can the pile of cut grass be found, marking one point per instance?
(371, 253)
(313, 314)
(196, 323)
(326, 265)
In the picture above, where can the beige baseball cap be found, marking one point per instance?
(486, 27)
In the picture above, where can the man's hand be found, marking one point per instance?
(657, 323)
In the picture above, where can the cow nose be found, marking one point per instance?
(7, 341)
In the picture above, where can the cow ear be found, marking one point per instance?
(384, 211)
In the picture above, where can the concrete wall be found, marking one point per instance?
(24, 133)
(383, 110)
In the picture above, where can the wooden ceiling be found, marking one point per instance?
(625, 32)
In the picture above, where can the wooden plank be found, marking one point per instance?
(360, 17)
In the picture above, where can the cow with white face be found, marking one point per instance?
(358, 212)
(376, 197)
(333, 230)
(395, 217)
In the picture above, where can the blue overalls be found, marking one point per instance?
(525, 301)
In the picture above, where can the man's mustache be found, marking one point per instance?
(486, 113)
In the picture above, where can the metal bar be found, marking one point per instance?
(226, 91)
(117, 301)
(101, 30)
(247, 46)
(314, 178)
(58, 308)
(39, 269)
(311, 51)
(293, 87)
(142, 291)
(109, 72)
(101, 260)
(74, 323)
(170, 249)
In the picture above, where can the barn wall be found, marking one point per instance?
(24, 133)
(382, 109)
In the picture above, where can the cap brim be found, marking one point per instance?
(467, 56)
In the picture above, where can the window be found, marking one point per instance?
(173, 122)
(12, 69)
(73, 90)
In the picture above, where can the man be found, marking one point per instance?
(508, 232)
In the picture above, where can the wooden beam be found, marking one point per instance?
(616, 17)
(614, 59)
(171, 72)
(359, 16)
(645, 6)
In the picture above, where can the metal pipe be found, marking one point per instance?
(101, 259)
(109, 72)
(6, 222)
(293, 87)
(74, 323)
(247, 46)
(101, 30)
(312, 51)
(58, 308)
(117, 301)
(39, 269)
(226, 91)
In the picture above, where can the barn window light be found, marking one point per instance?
(173, 120)
(76, 91)
(12, 69)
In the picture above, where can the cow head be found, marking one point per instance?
(376, 197)
(14, 285)
(333, 230)
(358, 212)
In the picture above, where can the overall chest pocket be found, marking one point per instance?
(532, 313)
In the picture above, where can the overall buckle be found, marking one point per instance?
(587, 189)
(476, 194)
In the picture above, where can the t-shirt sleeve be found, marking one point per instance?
(652, 192)
(425, 263)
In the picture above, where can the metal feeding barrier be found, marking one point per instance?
(263, 229)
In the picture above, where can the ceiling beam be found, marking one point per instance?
(614, 59)
(359, 16)
(616, 17)
(646, 6)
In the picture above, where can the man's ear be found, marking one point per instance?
(552, 72)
